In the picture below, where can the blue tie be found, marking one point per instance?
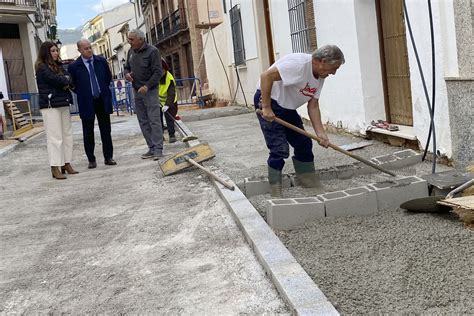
(95, 86)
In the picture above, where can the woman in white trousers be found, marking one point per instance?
(54, 99)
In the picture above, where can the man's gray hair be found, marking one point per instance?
(330, 54)
(137, 33)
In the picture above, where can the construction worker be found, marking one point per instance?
(168, 100)
(292, 81)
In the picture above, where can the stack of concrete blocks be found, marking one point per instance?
(352, 202)
(285, 214)
(398, 159)
(390, 194)
(258, 186)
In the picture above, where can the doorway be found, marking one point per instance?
(394, 62)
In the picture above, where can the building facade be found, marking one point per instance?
(24, 25)
(380, 79)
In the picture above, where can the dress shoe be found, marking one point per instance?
(56, 173)
(110, 162)
(172, 139)
(92, 165)
(157, 156)
(68, 168)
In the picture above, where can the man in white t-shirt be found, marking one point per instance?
(292, 81)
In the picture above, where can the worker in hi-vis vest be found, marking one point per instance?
(168, 100)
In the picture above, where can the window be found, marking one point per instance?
(302, 26)
(237, 35)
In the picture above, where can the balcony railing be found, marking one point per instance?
(171, 25)
(24, 3)
(94, 37)
(18, 6)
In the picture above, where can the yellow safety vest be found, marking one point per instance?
(164, 89)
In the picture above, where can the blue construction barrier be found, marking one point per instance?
(189, 91)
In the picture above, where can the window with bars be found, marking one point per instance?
(302, 26)
(237, 35)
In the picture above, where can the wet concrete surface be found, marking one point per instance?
(121, 239)
(390, 262)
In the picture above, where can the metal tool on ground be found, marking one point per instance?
(335, 147)
(435, 203)
(191, 157)
(211, 174)
(186, 137)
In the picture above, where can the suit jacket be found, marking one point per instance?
(82, 85)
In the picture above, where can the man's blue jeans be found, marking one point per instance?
(278, 138)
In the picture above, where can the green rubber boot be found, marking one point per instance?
(274, 178)
(306, 175)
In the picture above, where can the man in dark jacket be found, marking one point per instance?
(143, 69)
(91, 77)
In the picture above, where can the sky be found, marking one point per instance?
(73, 13)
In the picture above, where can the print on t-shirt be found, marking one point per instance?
(308, 91)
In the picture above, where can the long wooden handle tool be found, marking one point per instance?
(335, 147)
(211, 174)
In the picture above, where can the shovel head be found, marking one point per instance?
(426, 205)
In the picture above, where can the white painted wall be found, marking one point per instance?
(445, 65)
(69, 51)
(342, 97)
(280, 22)
(3, 83)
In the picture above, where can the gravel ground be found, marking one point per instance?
(391, 262)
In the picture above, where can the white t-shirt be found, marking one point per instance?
(298, 84)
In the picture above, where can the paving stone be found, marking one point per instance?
(285, 214)
(392, 193)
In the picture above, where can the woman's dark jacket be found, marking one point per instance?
(56, 85)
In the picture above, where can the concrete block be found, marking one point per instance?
(390, 194)
(353, 202)
(285, 214)
(407, 157)
(386, 161)
(259, 186)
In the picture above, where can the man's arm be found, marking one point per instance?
(315, 117)
(156, 69)
(266, 83)
(108, 73)
(126, 68)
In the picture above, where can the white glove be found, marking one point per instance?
(165, 108)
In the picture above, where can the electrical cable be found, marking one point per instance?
(430, 110)
(217, 50)
(433, 97)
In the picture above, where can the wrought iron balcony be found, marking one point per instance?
(18, 6)
(171, 25)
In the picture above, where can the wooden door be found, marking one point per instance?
(14, 65)
(396, 73)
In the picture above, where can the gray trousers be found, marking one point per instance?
(147, 107)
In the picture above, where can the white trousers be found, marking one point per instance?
(57, 124)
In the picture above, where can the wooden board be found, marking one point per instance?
(397, 71)
(465, 202)
(199, 153)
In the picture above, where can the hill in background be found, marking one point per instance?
(70, 36)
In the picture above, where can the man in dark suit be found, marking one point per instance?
(91, 77)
